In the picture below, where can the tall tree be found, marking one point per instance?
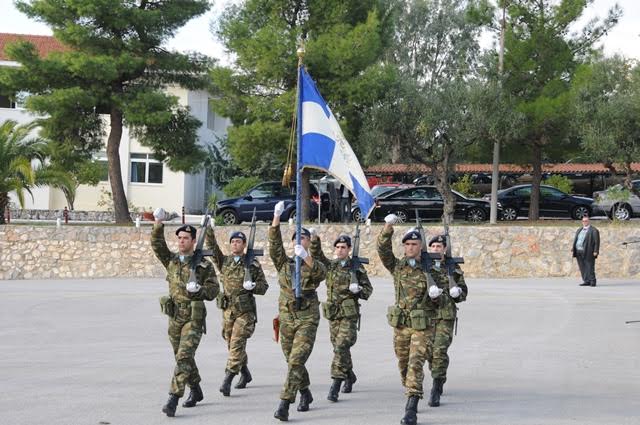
(344, 43)
(542, 53)
(427, 112)
(607, 100)
(115, 65)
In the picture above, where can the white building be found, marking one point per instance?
(148, 183)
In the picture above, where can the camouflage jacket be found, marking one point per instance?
(232, 272)
(310, 277)
(446, 303)
(410, 282)
(178, 271)
(339, 276)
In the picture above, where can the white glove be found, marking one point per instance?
(211, 223)
(248, 285)
(391, 219)
(455, 291)
(355, 288)
(313, 232)
(434, 292)
(193, 287)
(279, 209)
(160, 214)
(300, 251)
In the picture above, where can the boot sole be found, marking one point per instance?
(242, 386)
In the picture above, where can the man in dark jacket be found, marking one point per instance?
(586, 246)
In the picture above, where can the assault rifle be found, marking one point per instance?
(251, 252)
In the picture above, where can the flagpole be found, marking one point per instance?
(297, 283)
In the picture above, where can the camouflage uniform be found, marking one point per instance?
(343, 322)
(410, 316)
(239, 315)
(297, 327)
(441, 333)
(187, 312)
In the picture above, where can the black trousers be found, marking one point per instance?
(587, 265)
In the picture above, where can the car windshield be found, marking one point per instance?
(379, 190)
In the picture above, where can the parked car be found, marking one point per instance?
(264, 198)
(429, 203)
(480, 182)
(515, 203)
(377, 191)
(621, 210)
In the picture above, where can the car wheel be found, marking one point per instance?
(476, 215)
(292, 215)
(621, 212)
(579, 212)
(229, 217)
(356, 216)
(509, 213)
(402, 216)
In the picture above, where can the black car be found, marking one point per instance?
(429, 203)
(554, 203)
(264, 198)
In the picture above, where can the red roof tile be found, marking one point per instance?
(44, 44)
(595, 168)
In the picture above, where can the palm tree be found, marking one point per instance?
(22, 164)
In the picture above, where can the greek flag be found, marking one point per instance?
(323, 145)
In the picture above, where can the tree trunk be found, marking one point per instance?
(70, 197)
(120, 205)
(395, 150)
(442, 171)
(534, 204)
(627, 175)
(4, 201)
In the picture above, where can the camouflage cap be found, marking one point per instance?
(411, 235)
(343, 239)
(438, 239)
(187, 228)
(303, 232)
(238, 235)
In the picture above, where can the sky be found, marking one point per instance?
(623, 39)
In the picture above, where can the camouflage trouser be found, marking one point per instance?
(410, 346)
(297, 336)
(184, 337)
(440, 338)
(344, 333)
(236, 330)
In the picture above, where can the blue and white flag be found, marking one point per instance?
(323, 145)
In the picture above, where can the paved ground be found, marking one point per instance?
(528, 351)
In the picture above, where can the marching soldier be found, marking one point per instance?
(411, 313)
(342, 308)
(239, 315)
(445, 299)
(185, 307)
(298, 324)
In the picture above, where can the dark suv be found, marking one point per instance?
(264, 198)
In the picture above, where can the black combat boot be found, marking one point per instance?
(245, 378)
(195, 395)
(172, 404)
(334, 390)
(348, 383)
(283, 411)
(225, 388)
(436, 392)
(305, 400)
(411, 411)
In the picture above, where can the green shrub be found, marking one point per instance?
(464, 185)
(240, 186)
(559, 182)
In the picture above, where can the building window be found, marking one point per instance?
(100, 159)
(145, 168)
(211, 116)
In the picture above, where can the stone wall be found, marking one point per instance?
(75, 215)
(43, 252)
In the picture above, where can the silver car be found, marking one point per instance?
(620, 210)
